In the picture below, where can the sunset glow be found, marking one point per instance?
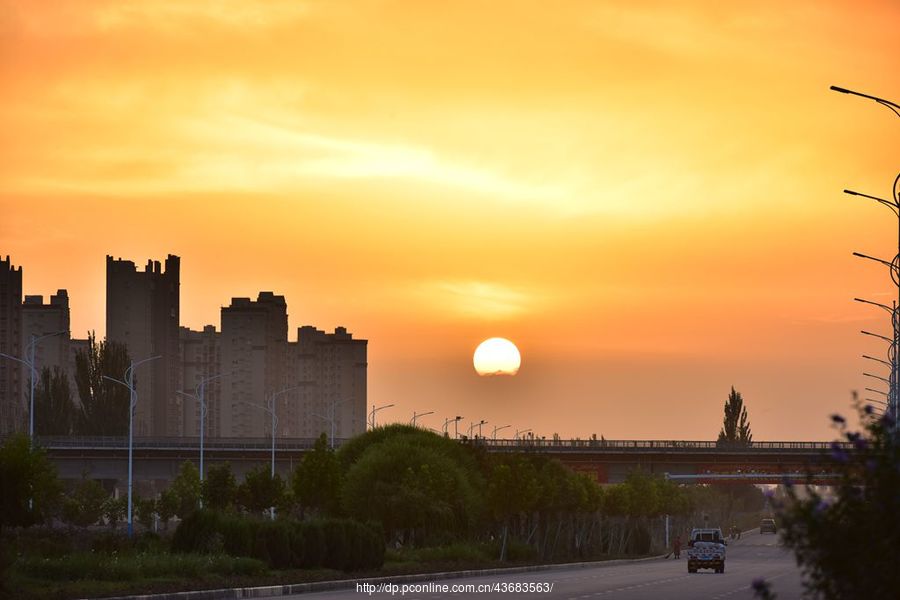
(645, 196)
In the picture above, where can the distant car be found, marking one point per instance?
(767, 526)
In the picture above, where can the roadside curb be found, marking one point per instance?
(273, 591)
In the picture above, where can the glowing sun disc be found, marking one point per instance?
(497, 356)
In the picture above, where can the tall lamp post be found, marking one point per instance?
(270, 408)
(200, 396)
(132, 403)
(455, 421)
(892, 353)
(32, 376)
(375, 410)
(417, 415)
(478, 425)
(496, 429)
(330, 419)
(894, 206)
(520, 431)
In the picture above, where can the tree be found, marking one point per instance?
(26, 475)
(144, 510)
(186, 488)
(104, 403)
(317, 480)
(260, 491)
(54, 410)
(219, 487)
(167, 506)
(114, 510)
(846, 545)
(84, 506)
(736, 426)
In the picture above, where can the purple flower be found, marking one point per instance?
(869, 409)
(821, 506)
(838, 453)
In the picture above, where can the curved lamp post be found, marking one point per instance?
(129, 383)
(330, 419)
(496, 429)
(32, 375)
(894, 206)
(376, 410)
(270, 408)
(200, 396)
(417, 415)
(455, 421)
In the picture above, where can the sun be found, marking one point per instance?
(497, 356)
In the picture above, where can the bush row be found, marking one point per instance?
(331, 543)
(104, 567)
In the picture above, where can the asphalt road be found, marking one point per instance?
(752, 556)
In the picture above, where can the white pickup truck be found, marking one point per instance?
(706, 550)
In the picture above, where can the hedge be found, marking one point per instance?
(340, 544)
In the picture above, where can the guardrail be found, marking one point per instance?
(507, 445)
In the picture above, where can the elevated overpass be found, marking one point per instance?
(607, 461)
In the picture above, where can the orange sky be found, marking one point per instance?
(645, 197)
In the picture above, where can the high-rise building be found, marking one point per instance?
(200, 361)
(330, 370)
(12, 408)
(253, 354)
(39, 319)
(142, 311)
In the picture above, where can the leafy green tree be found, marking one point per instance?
(317, 480)
(186, 487)
(219, 488)
(846, 544)
(54, 411)
(104, 403)
(144, 511)
(413, 486)
(167, 506)
(260, 491)
(736, 425)
(84, 506)
(26, 475)
(513, 490)
(114, 510)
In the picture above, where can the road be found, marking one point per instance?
(752, 556)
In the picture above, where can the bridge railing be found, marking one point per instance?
(504, 445)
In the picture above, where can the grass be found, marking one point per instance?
(95, 574)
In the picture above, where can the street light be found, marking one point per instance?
(417, 415)
(886, 103)
(330, 419)
(479, 424)
(518, 431)
(877, 391)
(456, 421)
(200, 396)
(894, 206)
(376, 409)
(32, 375)
(496, 429)
(132, 403)
(271, 410)
(884, 379)
(884, 362)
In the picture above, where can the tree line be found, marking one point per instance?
(102, 406)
